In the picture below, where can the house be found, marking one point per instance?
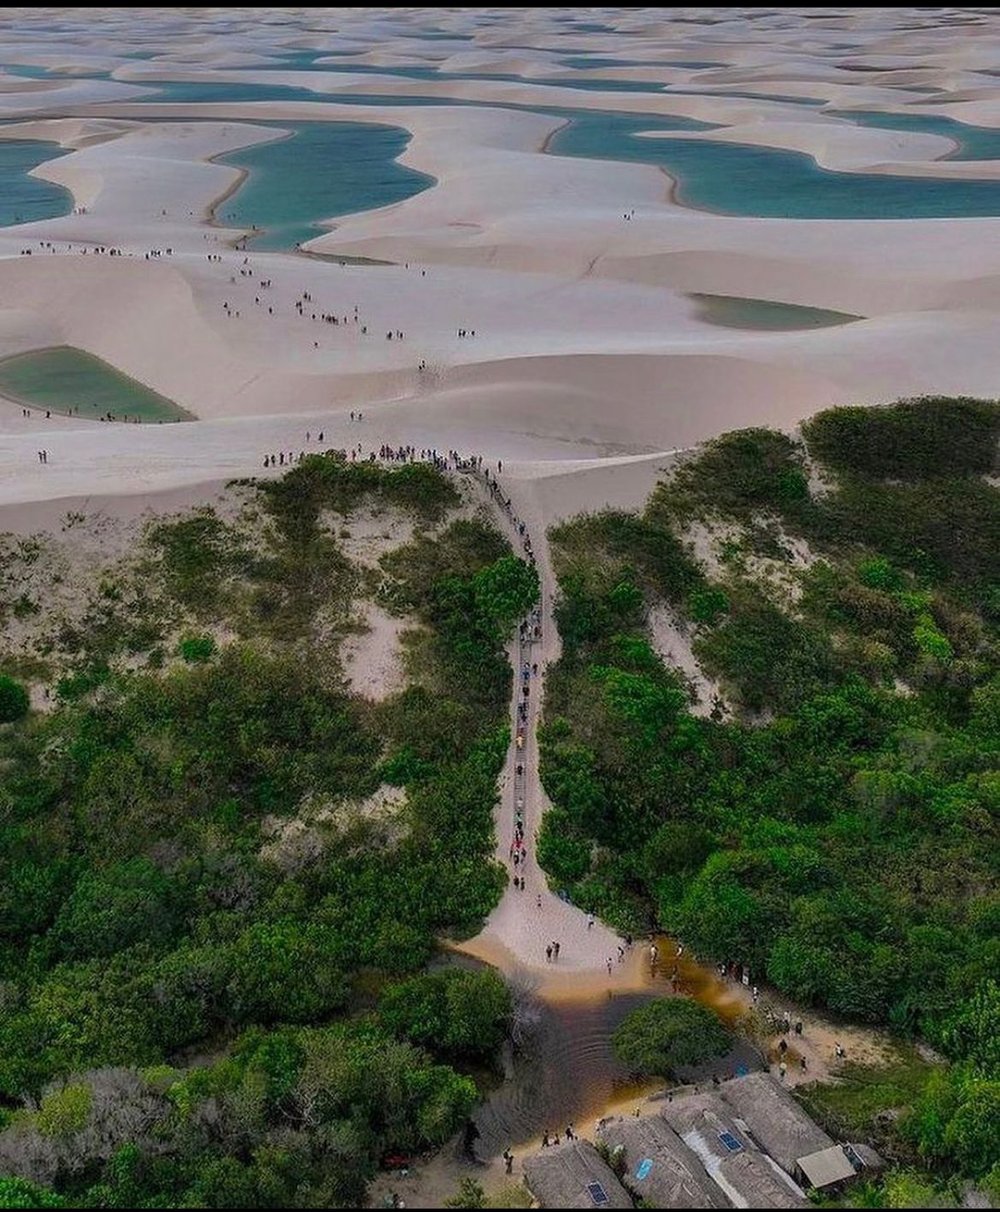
(775, 1120)
(747, 1177)
(752, 1180)
(831, 1169)
(573, 1175)
(659, 1167)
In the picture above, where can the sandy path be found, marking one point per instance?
(526, 921)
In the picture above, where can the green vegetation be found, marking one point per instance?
(191, 865)
(197, 649)
(935, 438)
(293, 1117)
(470, 1194)
(669, 1034)
(64, 380)
(461, 1014)
(855, 1106)
(838, 833)
(14, 701)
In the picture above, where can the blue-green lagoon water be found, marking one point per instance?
(974, 142)
(740, 179)
(322, 170)
(27, 199)
(766, 315)
(733, 179)
(294, 183)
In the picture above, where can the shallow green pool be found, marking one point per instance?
(765, 315)
(71, 382)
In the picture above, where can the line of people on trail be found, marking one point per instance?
(518, 851)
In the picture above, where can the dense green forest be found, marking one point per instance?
(190, 1015)
(830, 818)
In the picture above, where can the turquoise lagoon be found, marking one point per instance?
(732, 179)
(322, 170)
(328, 169)
(27, 199)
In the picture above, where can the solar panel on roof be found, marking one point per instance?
(731, 1142)
(597, 1194)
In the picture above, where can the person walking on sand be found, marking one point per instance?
(590, 921)
(609, 965)
(555, 950)
(548, 954)
(654, 951)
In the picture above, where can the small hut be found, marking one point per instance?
(832, 1169)
(659, 1167)
(775, 1119)
(827, 1170)
(707, 1126)
(573, 1175)
(752, 1180)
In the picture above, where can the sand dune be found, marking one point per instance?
(587, 348)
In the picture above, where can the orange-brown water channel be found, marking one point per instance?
(561, 1066)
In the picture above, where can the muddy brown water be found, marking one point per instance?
(560, 1066)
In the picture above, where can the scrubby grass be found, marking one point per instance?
(865, 1101)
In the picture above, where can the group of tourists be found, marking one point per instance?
(529, 631)
(549, 1140)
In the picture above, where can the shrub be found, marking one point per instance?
(706, 605)
(665, 1035)
(738, 473)
(452, 1012)
(196, 649)
(933, 437)
(14, 700)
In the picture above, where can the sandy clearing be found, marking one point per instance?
(373, 659)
